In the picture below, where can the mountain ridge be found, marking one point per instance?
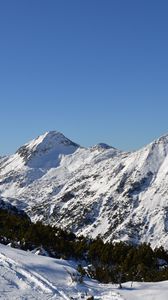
(92, 191)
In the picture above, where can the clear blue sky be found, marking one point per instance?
(96, 70)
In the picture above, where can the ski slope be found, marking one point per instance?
(24, 275)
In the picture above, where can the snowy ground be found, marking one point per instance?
(27, 276)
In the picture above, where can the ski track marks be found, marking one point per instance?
(32, 278)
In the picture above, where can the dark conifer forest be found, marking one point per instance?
(106, 262)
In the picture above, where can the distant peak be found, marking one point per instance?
(163, 138)
(52, 135)
(50, 142)
(102, 146)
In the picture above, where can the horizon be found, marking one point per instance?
(95, 70)
(81, 145)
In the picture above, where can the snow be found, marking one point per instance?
(47, 150)
(24, 275)
(121, 196)
(146, 291)
(48, 141)
(27, 276)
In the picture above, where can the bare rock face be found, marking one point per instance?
(92, 191)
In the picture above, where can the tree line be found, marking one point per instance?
(104, 261)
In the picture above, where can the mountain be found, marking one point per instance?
(92, 191)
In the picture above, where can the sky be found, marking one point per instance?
(95, 70)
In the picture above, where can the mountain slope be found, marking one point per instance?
(27, 276)
(92, 191)
(24, 275)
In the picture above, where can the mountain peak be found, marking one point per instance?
(46, 149)
(101, 146)
(162, 139)
(49, 140)
(104, 146)
(160, 145)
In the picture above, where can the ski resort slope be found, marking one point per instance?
(24, 275)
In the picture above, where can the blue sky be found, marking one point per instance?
(96, 70)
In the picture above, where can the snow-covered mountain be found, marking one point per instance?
(93, 191)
